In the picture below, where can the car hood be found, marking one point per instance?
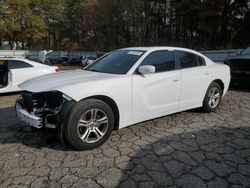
(239, 57)
(59, 81)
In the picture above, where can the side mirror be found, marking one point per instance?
(146, 69)
(238, 53)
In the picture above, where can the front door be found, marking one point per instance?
(20, 71)
(156, 94)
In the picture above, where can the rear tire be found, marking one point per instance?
(213, 98)
(89, 125)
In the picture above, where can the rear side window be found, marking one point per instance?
(187, 60)
(201, 60)
(163, 60)
(15, 64)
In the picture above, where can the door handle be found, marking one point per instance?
(207, 73)
(176, 79)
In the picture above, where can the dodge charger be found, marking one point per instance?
(123, 87)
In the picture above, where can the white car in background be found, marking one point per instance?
(124, 87)
(14, 71)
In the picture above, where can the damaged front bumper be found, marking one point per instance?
(28, 118)
(40, 110)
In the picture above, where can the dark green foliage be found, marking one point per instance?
(103, 25)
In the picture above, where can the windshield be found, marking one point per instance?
(116, 62)
(246, 51)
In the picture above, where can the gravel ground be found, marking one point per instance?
(188, 149)
(8, 101)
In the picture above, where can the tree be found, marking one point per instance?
(20, 25)
(103, 25)
(53, 13)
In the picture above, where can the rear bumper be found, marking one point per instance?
(28, 118)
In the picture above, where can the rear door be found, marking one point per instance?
(195, 79)
(156, 94)
(20, 71)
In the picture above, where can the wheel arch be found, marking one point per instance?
(220, 82)
(112, 105)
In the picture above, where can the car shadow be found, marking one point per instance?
(214, 157)
(12, 130)
(189, 155)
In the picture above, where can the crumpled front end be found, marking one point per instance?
(43, 109)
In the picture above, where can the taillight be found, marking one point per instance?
(57, 69)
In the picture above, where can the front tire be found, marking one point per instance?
(90, 124)
(213, 98)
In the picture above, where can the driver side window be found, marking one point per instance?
(162, 60)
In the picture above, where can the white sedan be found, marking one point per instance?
(124, 87)
(14, 71)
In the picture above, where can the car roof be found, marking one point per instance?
(153, 48)
(170, 48)
(33, 63)
(11, 58)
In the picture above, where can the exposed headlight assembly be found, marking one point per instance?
(67, 97)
